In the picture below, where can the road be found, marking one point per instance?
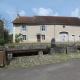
(58, 71)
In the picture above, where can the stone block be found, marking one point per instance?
(40, 53)
(72, 49)
(57, 50)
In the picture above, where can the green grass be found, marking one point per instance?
(13, 44)
(45, 59)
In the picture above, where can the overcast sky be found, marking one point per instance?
(8, 8)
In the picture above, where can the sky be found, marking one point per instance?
(10, 8)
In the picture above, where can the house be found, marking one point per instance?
(44, 28)
(1, 29)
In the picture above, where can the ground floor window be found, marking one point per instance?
(43, 37)
(24, 37)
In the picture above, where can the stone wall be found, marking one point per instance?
(66, 50)
(57, 50)
(72, 49)
(28, 46)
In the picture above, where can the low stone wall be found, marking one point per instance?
(28, 46)
(66, 50)
(57, 50)
(72, 49)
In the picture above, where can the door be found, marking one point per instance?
(38, 38)
(63, 36)
(73, 38)
(79, 37)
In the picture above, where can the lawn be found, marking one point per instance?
(25, 61)
(13, 44)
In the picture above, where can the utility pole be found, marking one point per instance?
(54, 29)
(17, 12)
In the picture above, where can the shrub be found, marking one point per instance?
(17, 40)
(18, 37)
(1, 42)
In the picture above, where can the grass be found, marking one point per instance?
(66, 57)
(13, 44)
(45, 59)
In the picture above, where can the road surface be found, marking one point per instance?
(58, 71)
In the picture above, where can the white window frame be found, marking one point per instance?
(43, 28)
(26, 37)
(23, 28)
(23, 38)
(43, 37)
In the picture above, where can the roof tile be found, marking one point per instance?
(48, 20)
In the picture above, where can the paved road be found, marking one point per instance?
(58, 71)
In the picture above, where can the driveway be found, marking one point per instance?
(59, 71)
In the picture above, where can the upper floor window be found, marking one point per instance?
(63, 26)
(43, 28)
(24, 28)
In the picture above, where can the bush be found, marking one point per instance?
(18, 38)
(1, 42)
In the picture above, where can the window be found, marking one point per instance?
(73, 38)
(24, 28)
(79, 37)
(24, 37)
(43, 37)
(63, 26)
(43, 28)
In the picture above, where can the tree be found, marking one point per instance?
(10, 39)
(1, 29)
(6, 36)
(5, 29)
(6, 22)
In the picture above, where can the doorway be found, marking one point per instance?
(38, 38)
(63, 36)
(73, 38)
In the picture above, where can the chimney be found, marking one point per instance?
(18, 15)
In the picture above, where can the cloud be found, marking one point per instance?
(75, 13)
(56, 14)
(14, 15)
(10, 14)
(44, 12)
(22, 13)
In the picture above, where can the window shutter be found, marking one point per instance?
(45, 28)
(40, 28)
(27, 37)
(20, 28)
(21, 37)
(26, 28)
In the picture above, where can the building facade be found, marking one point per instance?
(44, 28)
